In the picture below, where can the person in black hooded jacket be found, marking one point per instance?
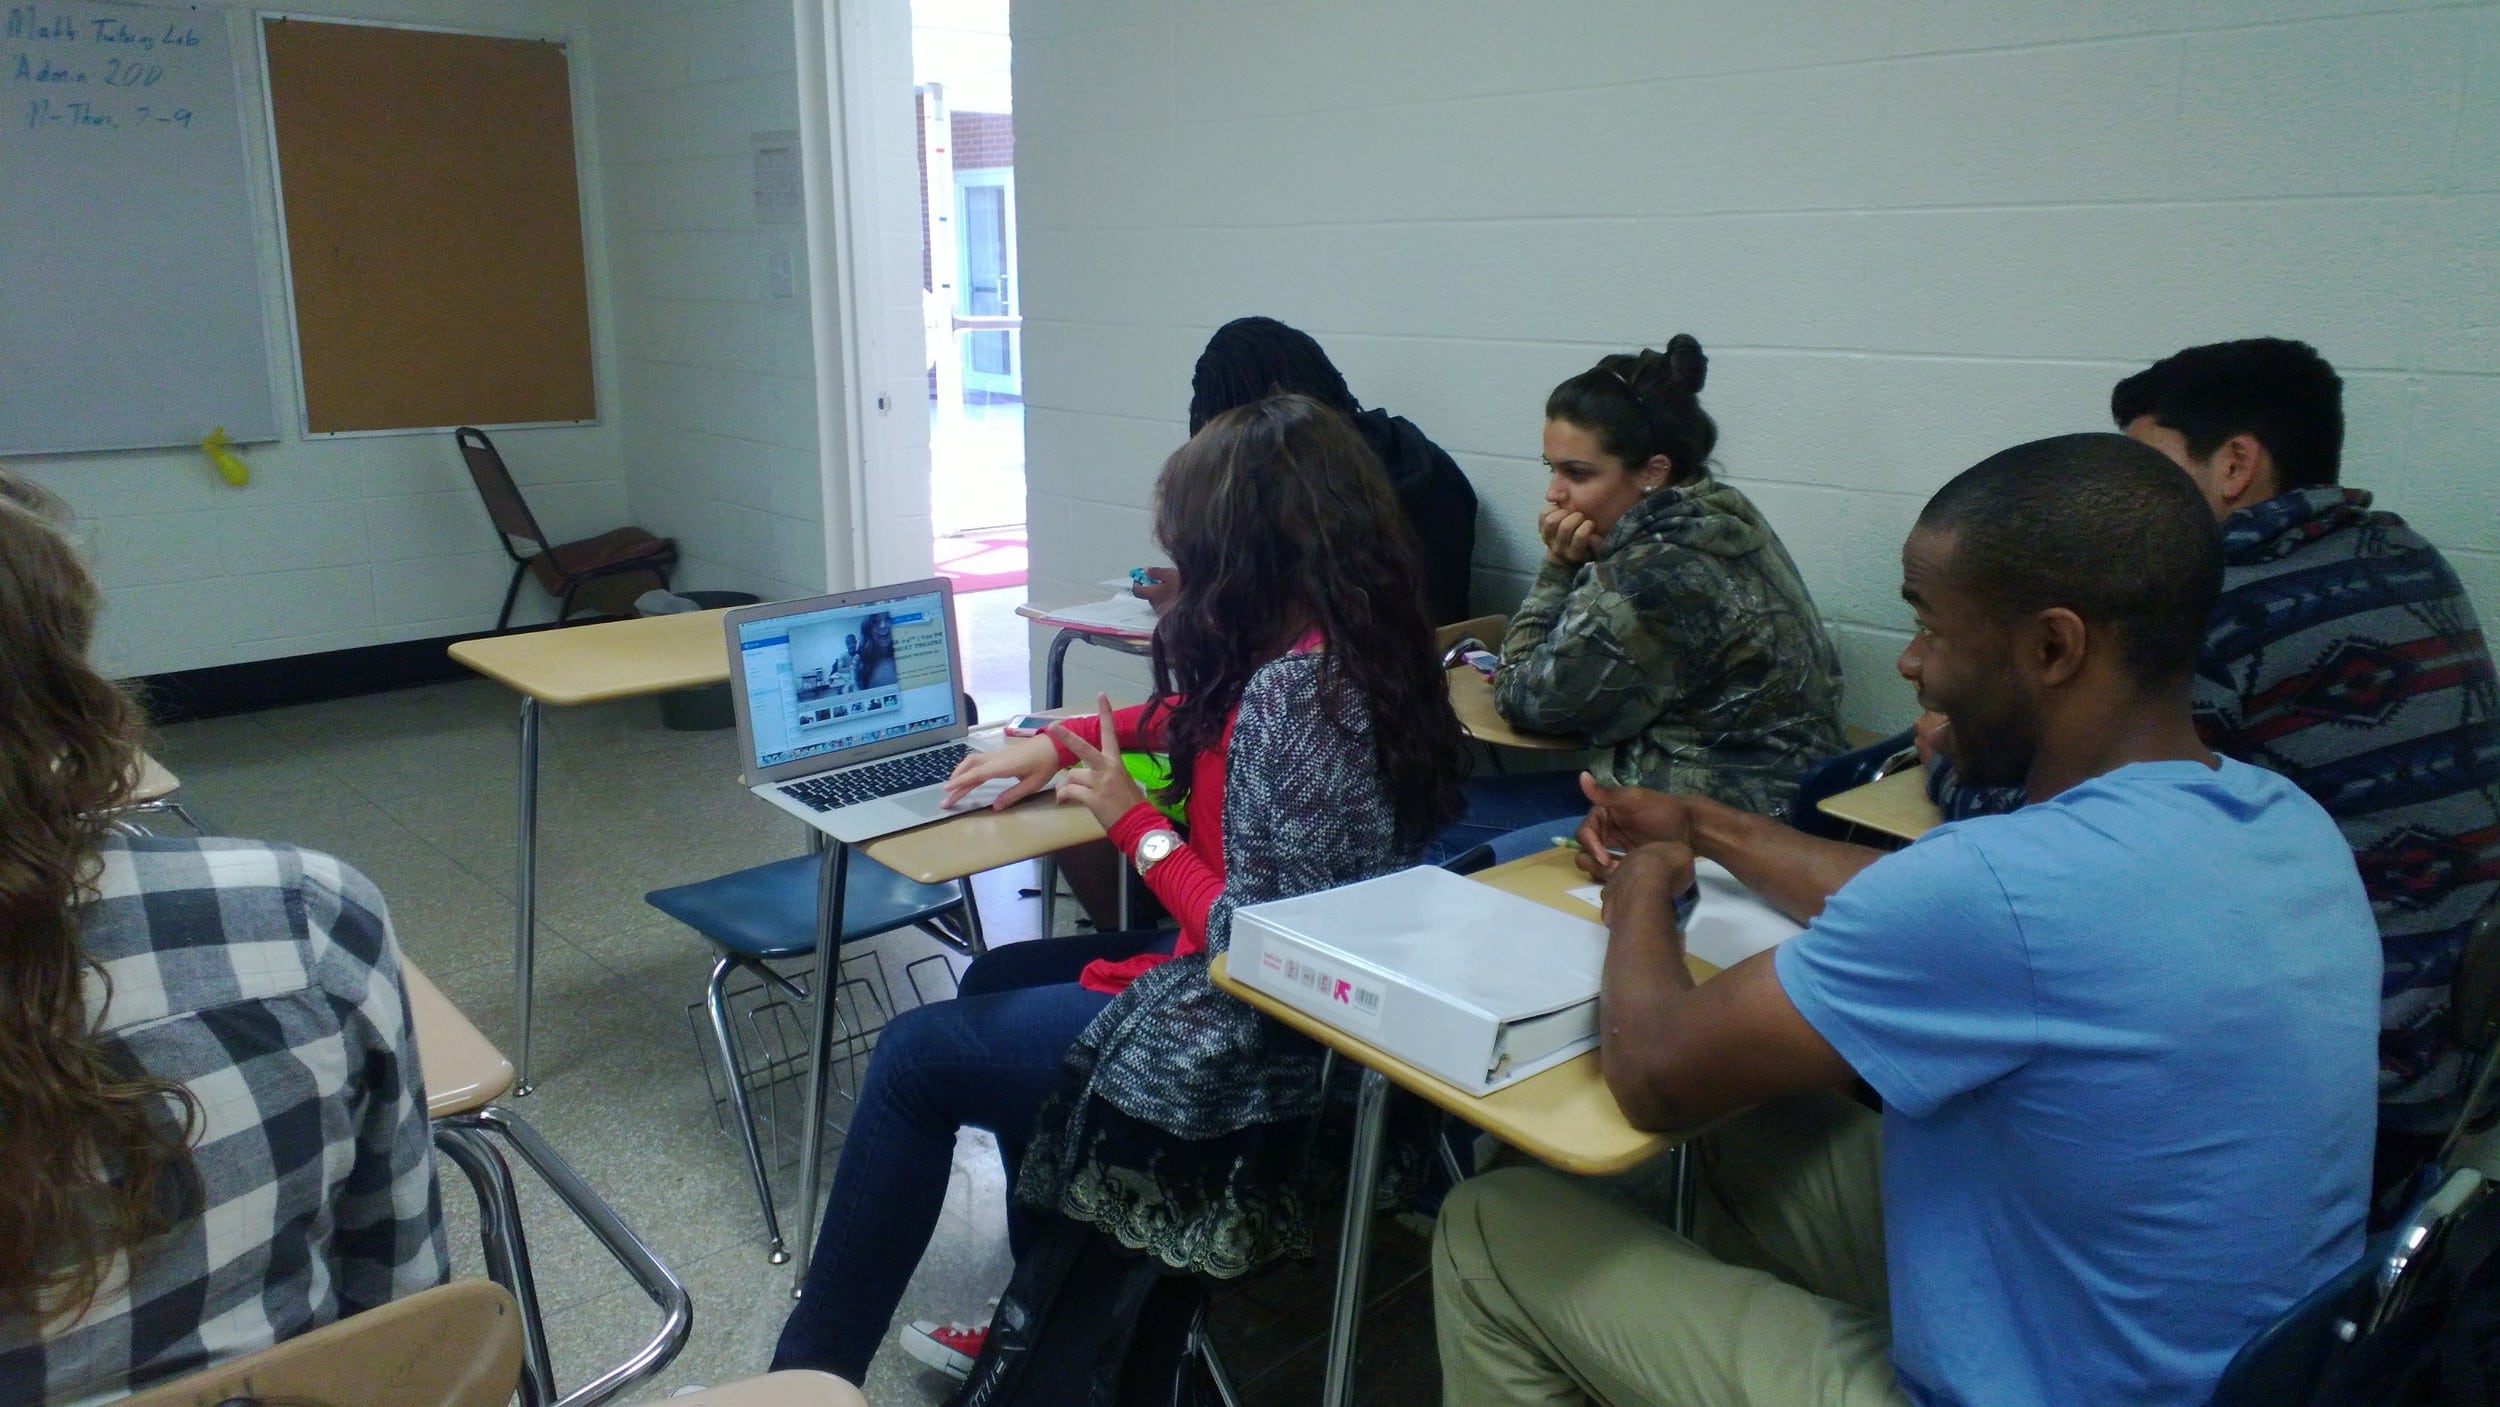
(1249, 359)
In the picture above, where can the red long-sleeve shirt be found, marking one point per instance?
(1189, 880)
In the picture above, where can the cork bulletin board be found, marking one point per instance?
(433, 226)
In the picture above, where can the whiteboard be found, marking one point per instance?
(130, 301)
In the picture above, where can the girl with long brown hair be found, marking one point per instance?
(1311, 738)
(212, 1133)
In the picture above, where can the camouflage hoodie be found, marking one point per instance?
(1687, 652)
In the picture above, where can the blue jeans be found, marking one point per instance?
(1496, 806)
(985, 1060)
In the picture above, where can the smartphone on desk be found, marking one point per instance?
(1029, 725)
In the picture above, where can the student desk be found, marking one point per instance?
(582, 664)
(949, 849)
(156, 781)
(153, 794)
(1119, 639)
(1896, 805)
(1471, 697)
(1471, 694)
(1563, 1117)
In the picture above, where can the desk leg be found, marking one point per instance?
(1054, 689)
(1686, 1181)
(525, 893)
(833, 873)
(1055, 670)
(1354, 1246)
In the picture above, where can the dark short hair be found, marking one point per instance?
(2096, 523)
(1250, 359)
(2276, 389)
(1645, 403)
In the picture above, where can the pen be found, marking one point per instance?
(1565, 842)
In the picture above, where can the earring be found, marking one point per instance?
(1648, 489)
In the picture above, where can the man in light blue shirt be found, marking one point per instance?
(2124, 1037)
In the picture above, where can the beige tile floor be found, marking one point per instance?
(417, 788)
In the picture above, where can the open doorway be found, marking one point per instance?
(963, 100)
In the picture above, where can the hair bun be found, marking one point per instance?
(1687, 365)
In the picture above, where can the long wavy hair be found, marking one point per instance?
(1281, 521)
(93, 1153)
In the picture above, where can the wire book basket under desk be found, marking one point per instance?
(769, 1021)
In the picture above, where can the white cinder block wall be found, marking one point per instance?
(718, 373)
(336, 542)
(1908, 235)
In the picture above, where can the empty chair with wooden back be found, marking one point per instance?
(563, 569)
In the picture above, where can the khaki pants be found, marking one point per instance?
(1549, 1289)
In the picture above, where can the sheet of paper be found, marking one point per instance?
(1729, 925)
(1119, 612)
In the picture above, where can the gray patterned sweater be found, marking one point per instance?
(1174, 1062)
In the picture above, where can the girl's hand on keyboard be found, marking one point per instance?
(1030, 761)
(1102, 784)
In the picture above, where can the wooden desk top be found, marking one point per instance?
(791, 1387)
(1049, 615)
(1563, 1117)
(1896, 805)
(618, 659)
(1471, 696)
(983, 840)
(463, 1070)
(156, 782)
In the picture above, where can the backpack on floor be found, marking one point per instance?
(1087, 1323)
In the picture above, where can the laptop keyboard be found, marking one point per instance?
(892, 777)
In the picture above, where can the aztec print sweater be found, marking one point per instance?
(2345, 656)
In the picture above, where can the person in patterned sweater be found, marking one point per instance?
(1310, 732)
(212, 1124)
(2344, 655)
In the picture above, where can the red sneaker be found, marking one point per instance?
(949, 1348)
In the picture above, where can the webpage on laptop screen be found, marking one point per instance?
(829, 680)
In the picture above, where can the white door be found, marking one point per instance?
(985, 287)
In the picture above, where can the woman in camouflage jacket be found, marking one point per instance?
(1668, 626)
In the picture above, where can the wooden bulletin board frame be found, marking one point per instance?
(432, 226)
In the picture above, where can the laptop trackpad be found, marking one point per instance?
(930, 801)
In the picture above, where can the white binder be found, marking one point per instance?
(1479, 986)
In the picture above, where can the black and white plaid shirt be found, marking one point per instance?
(266, 979)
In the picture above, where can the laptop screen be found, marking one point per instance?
(825, 681)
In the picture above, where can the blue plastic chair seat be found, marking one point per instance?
(769, 911)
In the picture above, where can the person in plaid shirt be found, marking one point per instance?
(211, 1116)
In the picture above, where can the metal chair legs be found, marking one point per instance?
(506, 1249)
(1202, 1348)
(716, 1005)
(511, 595)
(464, 1138)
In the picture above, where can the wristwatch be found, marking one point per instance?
(1152, 847)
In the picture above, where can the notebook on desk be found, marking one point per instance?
(851, 709)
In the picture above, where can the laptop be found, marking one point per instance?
(851, 707)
